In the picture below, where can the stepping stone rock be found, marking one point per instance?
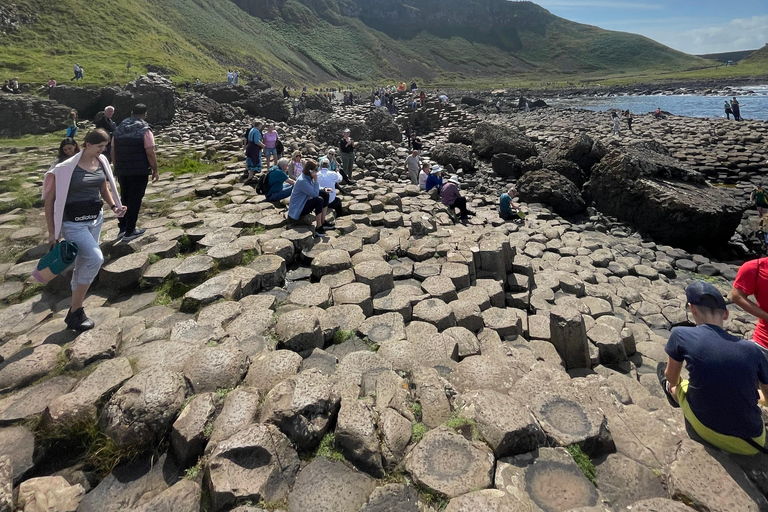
(33, 400)
(302, 407)
(271, 368)
(255, 464)
(226, 255)
(506, 322)
(330, 262)
(448, 464)
(504, 422)
(212, 368)
(302, 237)
(623, 481)
(468, 315)
(435, 312)
(38, 493)
(16, 373)
(383, 328)
(182, 496)
(391, 498)
(279, 247)
(143, 409)
(93, 345)
(458, 273)
(327, 486)
(230, 285)
(357, 436)
(299, 330)
(270, 270)
(241, 408)
(487, 500)
(486, 372)
(569, 336)
(18, 444)
(552, 481)
(357, 294)
(376, 274)
(194, 268)
(124, 271)
(312, 295)
(158, 272)
(162, 248)
(440, 287)
(609, 342)
(659, 505)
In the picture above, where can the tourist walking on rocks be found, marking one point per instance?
(73, 192)
(616, 124)
(329, 179)
(78, 71)
(279, 185)
(347, 148)
(295, 105)
(451, 197)
(760, 198)
(412, 166)
(253, 150)
(736, 108)
(134, 158)
(308, 197)
(629, 118)
(104, 121)
(728, 110)
(752, 280)
(270, 144)
(72, 124)
(67, 149)
(719, 399)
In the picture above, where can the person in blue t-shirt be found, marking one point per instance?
(507, 209)
(435, 178)
(719, 400)
(253, 149)
(279, 185)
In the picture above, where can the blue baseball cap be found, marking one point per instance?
(704, 294)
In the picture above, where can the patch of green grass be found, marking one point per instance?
(341, 336)
(417, 432)
(28, 292)
(195, 471)
(171, 291)
(208, 430)
(154, 258)
(432, 498)
(584, 462)
(328, 448)
(416, 408)
(274, 505)
(701, 277)
(248, 257)
(465, 426)
(189, 164)
(48, 140)
(222, 393)
(21, 196)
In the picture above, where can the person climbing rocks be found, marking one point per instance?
(134, 157)
(104, 121)
(759, 197)
(728, 110)
(736, 108)
(719, 399)
(412, 166)
(616, 124)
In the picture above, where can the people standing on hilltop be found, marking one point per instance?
(760, 198)
(728, 110)
(73, 192)
(347, 148)
(67, 149)
(616, 124)
(104, 121)
(72, 124)
(133, 153)
(719, 399)
(736, 108)
(236, 77)
(230, 77)
(197, 81)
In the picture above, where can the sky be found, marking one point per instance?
(692, 26)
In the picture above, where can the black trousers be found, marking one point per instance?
(316, 204)
(461, 204)
(335, 205)
(132, 189)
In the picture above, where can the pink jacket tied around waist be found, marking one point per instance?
(63, 175)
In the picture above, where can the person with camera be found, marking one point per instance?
(72, 193)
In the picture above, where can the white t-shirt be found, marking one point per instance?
(423, 180)
(413, 163)
(327, 178)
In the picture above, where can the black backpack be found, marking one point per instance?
(262, 184)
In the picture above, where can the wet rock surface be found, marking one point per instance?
(404, 361)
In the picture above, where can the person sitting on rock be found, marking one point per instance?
(758, 196)
(451, 197)
(296, 167)
(279, 185)
(719, 400)
(508, 210)
(329, 179)
(657, 113)
(435, 179)
(423, 176)
(67, 149)
(308, 197)
(7, 87)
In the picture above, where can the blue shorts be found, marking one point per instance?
(270, 151)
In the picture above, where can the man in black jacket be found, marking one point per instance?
(133, 154)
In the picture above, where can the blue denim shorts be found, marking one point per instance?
(270, 151)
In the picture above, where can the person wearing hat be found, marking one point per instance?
(435, 179)
(451, 196)
(719, 399)
(347, 148)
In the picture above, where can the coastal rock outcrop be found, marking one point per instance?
(24, 114)
(553, 189)
(662, 197)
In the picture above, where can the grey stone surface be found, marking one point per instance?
(325, 486)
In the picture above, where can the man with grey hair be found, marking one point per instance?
(105, 122)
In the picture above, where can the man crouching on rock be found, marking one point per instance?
(719, 400)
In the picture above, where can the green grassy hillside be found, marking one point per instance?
(320, 42)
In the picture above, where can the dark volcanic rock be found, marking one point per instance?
(457, 155)
(553, 189)
(225, 113)
(317, 102)
(268, 104)
(383, 126)
(82, 99)
(153, 90)
(507, 166)
(663, 197)
(581, 150)
(194, 102)
(22, 114)
(331, 131)
(491, 139)
(223, 93)
(568, 169)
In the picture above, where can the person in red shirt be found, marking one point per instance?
(752, 279)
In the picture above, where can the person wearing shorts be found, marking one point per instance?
(719, 400)
(270, 145)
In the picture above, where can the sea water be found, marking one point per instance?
(753, 106)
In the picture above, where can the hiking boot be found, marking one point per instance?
(78, 321)
(136, 234)
(329, 225)
(660, 369)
